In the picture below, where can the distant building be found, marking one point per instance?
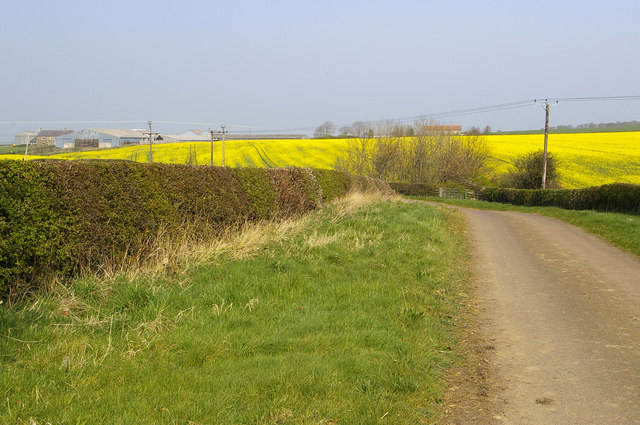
(450, 129)
(25, 137)
(101, 138)
(196, 136)
(205, 135)
(48, 137)
(109, 138)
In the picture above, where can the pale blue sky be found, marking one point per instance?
(295, 64)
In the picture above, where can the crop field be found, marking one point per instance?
(318, 153)
(586, 159)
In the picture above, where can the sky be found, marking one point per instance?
(265, 66)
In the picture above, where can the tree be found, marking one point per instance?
(362, 129)
(527, 171)
(422, 154)
(346, 131)
(487, 130)
(326, 129)
(473, 131)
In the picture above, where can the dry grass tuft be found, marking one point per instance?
(354, 201)
(174, 256)
(316, 241)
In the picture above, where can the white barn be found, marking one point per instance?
(101, 138)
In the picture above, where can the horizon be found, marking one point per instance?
(287, 66)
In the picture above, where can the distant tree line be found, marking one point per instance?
(604, 124)
(474, 131)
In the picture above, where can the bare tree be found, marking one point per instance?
(425, 154)
(326, 129)
(356, 157)
(473, 131)
(346, 131)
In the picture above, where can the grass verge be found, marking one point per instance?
(348, 317)
(621, 230)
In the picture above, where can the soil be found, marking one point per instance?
(553, 335)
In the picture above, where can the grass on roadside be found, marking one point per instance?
(621, 230)
(349, 318)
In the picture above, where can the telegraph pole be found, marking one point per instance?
(150, 143)
(223, 133)
(26, 149)
(546, 137)
(211, 162)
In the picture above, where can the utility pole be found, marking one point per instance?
(546, 137)
(223, 133)
(26, 149)
(150, 143)
(211, 162)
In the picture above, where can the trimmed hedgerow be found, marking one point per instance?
(36, 232)
(57, 217)
(617, 197)
(296, 190)
(118, 207)
(334, 184)
(264, 200)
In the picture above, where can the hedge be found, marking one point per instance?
(617, 197)
(58, 217)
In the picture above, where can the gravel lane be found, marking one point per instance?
(562, 310)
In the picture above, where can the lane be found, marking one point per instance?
(562, 309)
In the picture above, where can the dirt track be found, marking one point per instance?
(559, 323)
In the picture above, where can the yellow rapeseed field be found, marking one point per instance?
(318, 153)
(586, 159)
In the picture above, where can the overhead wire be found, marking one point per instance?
(430, 116)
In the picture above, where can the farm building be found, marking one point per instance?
(205, 135)
(48, 137)
(101, 138)
(25, 137)
(449, 129)
(196, 136)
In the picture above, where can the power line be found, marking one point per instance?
(590, 98)
(432, 116)
(72, 122)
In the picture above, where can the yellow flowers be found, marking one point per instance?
(246, 153)
(585, 159)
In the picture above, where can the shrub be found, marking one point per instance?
(528, 169)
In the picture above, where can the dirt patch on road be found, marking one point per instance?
(473, 391)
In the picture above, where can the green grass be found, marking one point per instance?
(10, 149)
(350, 320)
(621, 230)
